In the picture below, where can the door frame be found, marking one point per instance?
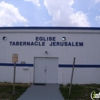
(34, 67)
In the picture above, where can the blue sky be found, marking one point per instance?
(78, 13)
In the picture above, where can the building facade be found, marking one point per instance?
(45, 54)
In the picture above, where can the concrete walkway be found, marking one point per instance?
(42, 92)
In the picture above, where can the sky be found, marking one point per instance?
(67, 13)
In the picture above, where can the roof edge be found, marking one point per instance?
(58, 28)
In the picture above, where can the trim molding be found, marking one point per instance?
(79, 66)
(58, 28)
(60, 65)
(19, 65)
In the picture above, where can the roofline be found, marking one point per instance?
(54, 28)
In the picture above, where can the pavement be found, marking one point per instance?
(42, 92)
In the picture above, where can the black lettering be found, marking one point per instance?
(40, 38)
(80, 43)
(57, 43)
(20, 43)
(50, 38)
(17, 43)
(36, 43)
(76, 43)
(43, 43)
(14, 43)
(73, 44)
(44, 39)
(24, 43)
(51, 44)
(32, 43)
(54, 43)
(61, 43)
(10, 43)
(69, 44)
(65, 43)
(36, 38)
(28, 43)
(40, 44)
(54, 39)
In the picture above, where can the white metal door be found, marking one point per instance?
(52, 70)
(46, 70)
(40, 70)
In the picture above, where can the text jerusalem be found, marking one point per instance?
(24, 43)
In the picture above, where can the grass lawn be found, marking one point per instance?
(79, 92)
(6, 91)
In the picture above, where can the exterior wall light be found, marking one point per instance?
(46, 52)
(63, 38)
(4, 38)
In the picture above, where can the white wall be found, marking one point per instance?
(85, 55)
(23, 74)
(81, 75)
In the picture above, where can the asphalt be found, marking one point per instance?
(42, 92)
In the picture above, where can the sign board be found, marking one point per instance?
(15, 58)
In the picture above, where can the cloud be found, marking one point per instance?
(36, 2)
(63, 14)
(9, 15)
(79, 19)
(97, 1)
(97, 18)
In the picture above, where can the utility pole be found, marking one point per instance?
(72, 76)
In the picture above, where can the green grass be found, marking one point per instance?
(79, 91)
(6, 91)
